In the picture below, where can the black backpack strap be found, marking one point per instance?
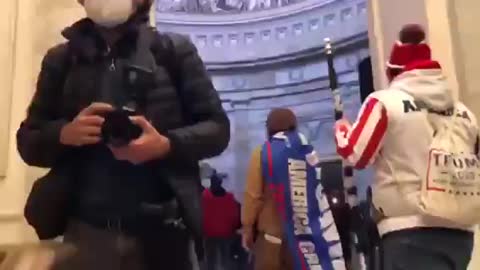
(166, 56)
(163, 48)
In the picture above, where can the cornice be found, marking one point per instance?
(359, 40)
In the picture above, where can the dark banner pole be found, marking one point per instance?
(348, 183)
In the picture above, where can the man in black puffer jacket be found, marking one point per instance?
(134, 206)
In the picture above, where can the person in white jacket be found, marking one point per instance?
(393, 133)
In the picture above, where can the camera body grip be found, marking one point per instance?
(118, 130)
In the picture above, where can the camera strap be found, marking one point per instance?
(141, 62)
(163, 48)
(154, 50)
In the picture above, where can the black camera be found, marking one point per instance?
(118, 130)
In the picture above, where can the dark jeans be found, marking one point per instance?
(166, 248)
(219, 253)
(427, 249)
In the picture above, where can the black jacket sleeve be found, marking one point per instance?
(208, 134)
(38, 138)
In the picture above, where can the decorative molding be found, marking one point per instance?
(358, 41)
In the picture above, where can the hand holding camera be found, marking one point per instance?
(85, 129)
(129, 136)
(118, 129)
(149, 146)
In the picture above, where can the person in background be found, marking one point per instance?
(262, 227)
(221, 219)
(396, 130)
(133, 206)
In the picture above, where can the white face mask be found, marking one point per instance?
(109, 13)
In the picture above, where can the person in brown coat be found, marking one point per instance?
(259, 213)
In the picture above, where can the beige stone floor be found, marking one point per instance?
(32, 257)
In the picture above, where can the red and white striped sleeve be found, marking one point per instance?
(360, 143)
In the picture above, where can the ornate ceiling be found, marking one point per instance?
(219, 7)
(269, 36)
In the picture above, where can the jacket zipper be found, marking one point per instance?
(112, 66)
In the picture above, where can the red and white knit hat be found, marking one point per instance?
(411, 51)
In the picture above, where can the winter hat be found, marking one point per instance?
(281, 119)
(410, 52)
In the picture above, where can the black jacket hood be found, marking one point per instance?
(86, 43)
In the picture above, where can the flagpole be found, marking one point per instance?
(348, 181)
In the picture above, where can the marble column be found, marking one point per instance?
(16, 78)
(453, 36)
(466, 38)
(29, 28)
(9, 26)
